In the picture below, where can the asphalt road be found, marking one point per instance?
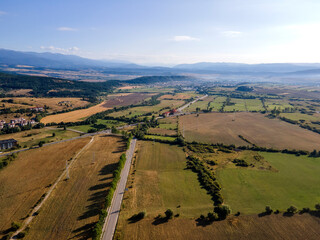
(114, 210)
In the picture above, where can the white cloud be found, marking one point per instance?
(71, 50)
(184, 38)
(231, 34)
(67, 29)
(2, 13)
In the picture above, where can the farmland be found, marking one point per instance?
(53, 104)
(75, 116)
(156, 109)
(33, 137)
(244, 227)
(294, 182)
(125, 99)
(160, 181)
(256, 128)
(26, 179)
(75, 204)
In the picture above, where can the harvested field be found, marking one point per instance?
(54, 104)
(75, 116)
(274, 227)
(125, 99)
(23, 181)
(74, 207)
(162, 131)
(255, 127)
(178, 96)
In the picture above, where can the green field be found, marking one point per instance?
(217, 103)
(162, 182)
(295, 183)
(108, 123)
(33, 137)
(171, 139)
(137, 111)
(277, 103)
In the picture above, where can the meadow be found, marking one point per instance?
(156, 109)
(295, 181)
(255, 127)
(160, 181)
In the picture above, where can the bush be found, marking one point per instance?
(137, 217)
(168, 214)
(268, 210)
(292, 209)
(222, 211)
(317, 206)
(212, 216)
(15, 226)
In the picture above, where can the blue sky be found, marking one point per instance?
(166, 32)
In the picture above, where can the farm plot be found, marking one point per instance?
(75, 116)
(53, 104)
(203, 104)
(26, 179)
(160, 181)
(294, 182)
(74, 207)
(256, 128)
(156, 109)
(33, 137)
(179, 96)
(244, 227)
(125, 99)
(217, 103)
(280, 104)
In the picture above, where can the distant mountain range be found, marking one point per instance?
(249, 68)
(61, 61)
(56, 60)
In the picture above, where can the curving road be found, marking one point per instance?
(114, 210)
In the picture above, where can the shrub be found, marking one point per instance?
(268, 210)
(168, 214)
(317, 206)
(222, 211)
(15, 226)
(292, 209)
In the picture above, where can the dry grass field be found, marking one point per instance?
(23, 181)
(73, 208)
(52, 103)
(162, 131)
(32, 137)
(178, 96)
(275, 227)
(75, 116)
(125, 99)
(255, 127)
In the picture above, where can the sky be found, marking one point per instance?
(166, 32)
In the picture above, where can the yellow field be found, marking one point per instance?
(24, 180)
(75, 116)
(74, 206)
(52, 103)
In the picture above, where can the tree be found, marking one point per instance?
(317, 206)
(168, 214)
(41, 143)
(292, 209)
(268, 210)
(222, 211)
(53, 134)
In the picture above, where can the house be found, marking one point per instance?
(8, 143)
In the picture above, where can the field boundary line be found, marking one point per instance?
(28, 220)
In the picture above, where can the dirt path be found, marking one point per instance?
(63, 174)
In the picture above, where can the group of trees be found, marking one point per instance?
(206, 179)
